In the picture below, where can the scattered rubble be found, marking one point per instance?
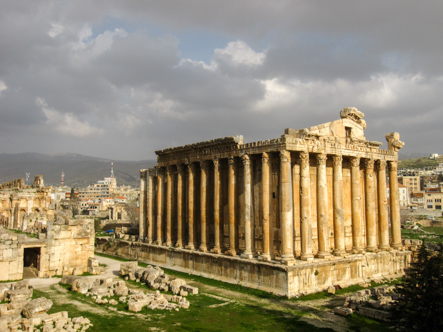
(373, 303)
(155, 278)
(101, 290)
(22, 313)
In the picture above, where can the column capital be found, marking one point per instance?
(369, 164)
(151, 171)
(143, 173)
(170, 169)
(160, 171)
(190, 167)
(393, 165)
(265, 157)
(204, 164)
(216, 164)
(304, 159)
(381, 165)
(285, 156)
(180, 168)
(231, 161)
(355, 161)
(337, 160)
(321, 159)
(245, 159)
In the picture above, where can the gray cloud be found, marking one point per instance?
(108, 78)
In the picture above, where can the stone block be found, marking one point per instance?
(36, 307)
(342, 311)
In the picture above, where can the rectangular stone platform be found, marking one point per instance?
(300, 278)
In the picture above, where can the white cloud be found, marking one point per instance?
(67, 124)
(239, 53)
(3, 86)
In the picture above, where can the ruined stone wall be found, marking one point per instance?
(69, 245)
(14, 184)
(25, 209)
(11, 257)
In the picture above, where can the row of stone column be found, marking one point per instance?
(286, 204)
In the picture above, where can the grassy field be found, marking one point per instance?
(218, 307)
(433, 235)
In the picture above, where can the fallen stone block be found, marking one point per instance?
(342, 311)
(36, 307)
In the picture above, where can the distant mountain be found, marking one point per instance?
(411, 155)
(80, 170)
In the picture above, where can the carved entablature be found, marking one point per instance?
(340, 137)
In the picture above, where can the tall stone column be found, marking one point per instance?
(203, 185)
(339, 210)
(305, 208)
(382, 207)
(150, 204)
(142, 203)
(246, 215)
(231, 206)
(371, 229)
(216, 248)
(322, 208)
(180, 170)
(168, 241)
(356, 206)
(395, 206)
(286, 217)
(160, 184)
(191, 169)
(265, 207)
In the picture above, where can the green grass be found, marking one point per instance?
(357, 322)
(435, 234)
(20, 232)
(199, 317)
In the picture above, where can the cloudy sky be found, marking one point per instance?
(121, 79)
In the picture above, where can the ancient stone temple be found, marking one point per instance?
(290, 215)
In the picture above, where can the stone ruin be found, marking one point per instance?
(64, 249)
(374, 303)
(22, 313)
(101, 290)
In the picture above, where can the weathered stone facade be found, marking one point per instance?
(25, 208)
(313, 199)
(64, 249)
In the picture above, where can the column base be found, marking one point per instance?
(190, 246)
(247, 255)
(265, 257)
(231, 252)
(339, 252)
(168, 244)
(178, 245)
(323, 254)
(216, 250)
(397, 246)
(203, 248)
(371, 249)
(159, 243)
(307, 257)
(385, 248)
(149, 241)
(288, 259)
(358, 250)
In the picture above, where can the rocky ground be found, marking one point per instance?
(316, 313)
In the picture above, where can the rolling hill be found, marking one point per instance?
(80, 170)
